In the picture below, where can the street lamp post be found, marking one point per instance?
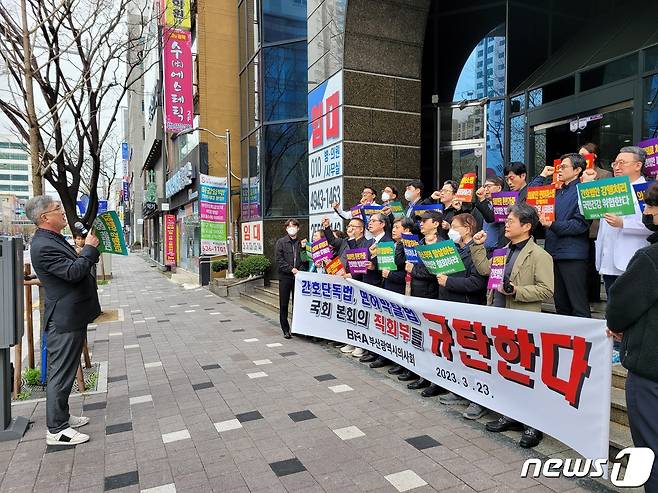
(229, 207)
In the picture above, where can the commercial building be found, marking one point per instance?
(15, 168)
(436, 89)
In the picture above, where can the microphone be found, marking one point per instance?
(81, 227)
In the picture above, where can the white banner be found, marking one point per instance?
(550, 372)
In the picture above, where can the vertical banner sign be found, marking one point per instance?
(107, 227)
(125, 154)
(501, 201)
(213, 194)
(651, 164)
(441, 258)
(499, 358)
(126, 191)
(466, 187)
(177, 76)
(170, 239)
(543, 199)
(498, 258)
(607, 196)
(177, 14)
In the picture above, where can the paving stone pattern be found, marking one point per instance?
(184, 412)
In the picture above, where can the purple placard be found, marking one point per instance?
(501, 202)
(497, 268)
(321, 250)
(651, 163)
(357, 260)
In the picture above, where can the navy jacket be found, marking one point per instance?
(396, 280)
(467, 286)
(71, 294)
(568, 236)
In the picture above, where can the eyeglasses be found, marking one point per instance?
(354, 226)
(447, 190)
(58, 208)
(622, 163)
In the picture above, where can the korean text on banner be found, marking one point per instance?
(386, 255)
(419, 210)
(544, 370)
(213, 195)
(651, 163)
(466, 187)
(410, 243)
(396, 209)
(170, 239)
(321, 250)
(177, 76)
(177, 14)
(607, 196)
(543, 199)
(441, 258)
(357, 260)
(498, 258)
(107, 227)
(639, 190)
(501, 201)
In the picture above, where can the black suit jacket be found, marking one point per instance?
(71, 295)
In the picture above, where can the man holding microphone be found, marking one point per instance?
(71, 303)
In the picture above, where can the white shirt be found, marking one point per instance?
(616, 246)
(379, 236)
(347, 215)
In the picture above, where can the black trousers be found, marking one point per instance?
(593, 277)
(642, 402)
(571, 288)
(63, 352)
(286, 289)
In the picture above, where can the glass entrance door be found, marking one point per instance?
(610, 128)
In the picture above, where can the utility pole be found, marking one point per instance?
(37, 178)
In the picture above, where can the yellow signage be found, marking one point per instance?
(177, 14)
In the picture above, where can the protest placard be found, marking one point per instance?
(590, 159)
(543, 199)
(107, 227)
(466, 187)
(651, 162)
(386, 255)
(640, 190)
(498, 259)
(419, 210)
(321, 250)
(335, 267)
(608, 196)
(441, 258)
(357, 260)
(410, 242)
(501, 201)
(396, 209)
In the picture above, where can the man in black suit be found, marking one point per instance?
(71, 303)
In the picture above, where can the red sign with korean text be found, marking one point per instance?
(170, 239)
(177, 77)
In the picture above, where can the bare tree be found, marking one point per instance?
(82, 56)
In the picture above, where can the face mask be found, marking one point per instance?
(292, 231)
(454, 235)
(647, 220)
(386, 197)
(408, 196)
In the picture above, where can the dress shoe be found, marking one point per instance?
(368, 358)
(359, 352)
(347, 349)
(531, 437)
(379, 363)
(395, 370)
(503, 424)
(432, 390)
(418, 384)
(407, 376)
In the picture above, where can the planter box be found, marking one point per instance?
(218, 275)
(233, 287)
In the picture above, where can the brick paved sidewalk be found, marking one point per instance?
(205, 395)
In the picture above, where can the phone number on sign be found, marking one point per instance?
(469, 383)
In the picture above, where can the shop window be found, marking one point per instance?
(651, 58)
(253, 27)
(610, 72)
(552, 92)
(284, 20)
(517, 103)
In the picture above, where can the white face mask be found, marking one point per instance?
(408, 196)
(292, 230)
(386, 197)
(454, 235)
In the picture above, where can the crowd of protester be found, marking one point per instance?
(567, 267)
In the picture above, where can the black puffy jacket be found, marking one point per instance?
(467, 286)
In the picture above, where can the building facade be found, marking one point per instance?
(15, 168)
